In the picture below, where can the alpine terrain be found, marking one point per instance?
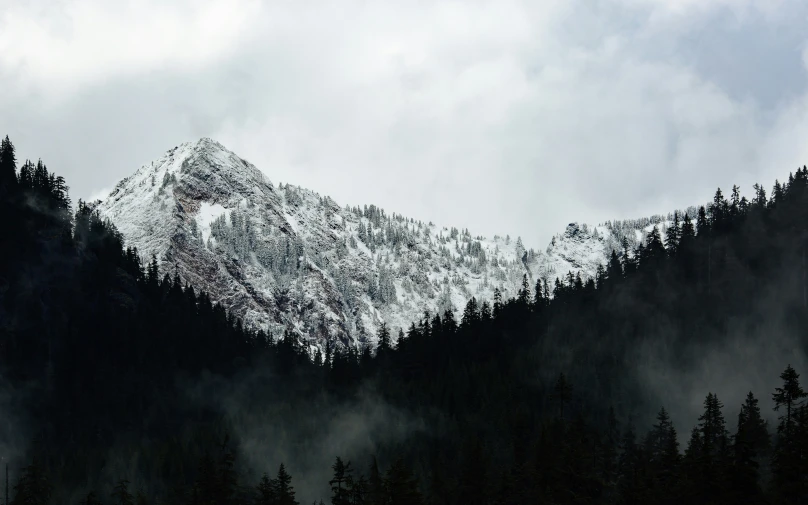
(283, 257)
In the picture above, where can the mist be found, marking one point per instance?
(306, 433)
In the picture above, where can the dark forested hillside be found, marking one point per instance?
(121, 384)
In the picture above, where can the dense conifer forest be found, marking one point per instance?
(119, 384)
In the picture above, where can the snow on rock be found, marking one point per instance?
(288, 258)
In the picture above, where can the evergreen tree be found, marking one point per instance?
(788, 461)
(91, 499)
(614, 270)
(497, 302)
(750, 443)
(523, 295)
(340, 491)
(664, 456)
(227, 480)
(672, 235)
(702, 224)
(632, 485)
(538, 296)
(384, 339)
(33, 487)
(470, 314)
(8, 166)
(788, 396)
(715, 450)
(375, 491)
(284, 491)
(265, 491)
(402, 488)
(121, 494)
(654, 249)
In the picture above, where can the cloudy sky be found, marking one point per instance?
(504, 116)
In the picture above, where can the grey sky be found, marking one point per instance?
(502, 116)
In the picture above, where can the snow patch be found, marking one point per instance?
(208, 213)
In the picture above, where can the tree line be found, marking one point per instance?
(530, 399)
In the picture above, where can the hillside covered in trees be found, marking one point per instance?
(121, 384)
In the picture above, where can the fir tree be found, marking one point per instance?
(402, 488)
(33, 487)
(750, 444)
(340, 491)
(375, 490)
(265, 491)
(8, 166)
(497, 302)
(672, 235)
(121, 494)
(788, 460)
(664, 455)
(284, 491)
(788, 396)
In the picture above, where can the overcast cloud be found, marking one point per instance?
(503, 116)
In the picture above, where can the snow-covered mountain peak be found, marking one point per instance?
(288, 258)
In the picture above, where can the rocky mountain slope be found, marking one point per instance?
(286, 257)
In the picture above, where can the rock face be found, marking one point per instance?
(285, 257)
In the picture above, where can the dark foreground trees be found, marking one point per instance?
(108, 349)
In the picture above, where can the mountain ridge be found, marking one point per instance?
(287, 257)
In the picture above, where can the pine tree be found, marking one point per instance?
(121, 494)
(691, 469)
(760, 196)
(523, 295)
(91, 499)
(340, 492)
(449, 323)
(485, 312)
(735, 202)
(777, 194)
(402, 488)
(33, 487)
(788, 396)
(654, 249)
(687, 233)
(284, 491)
(375, 491)
(702, 224)
(788, 462)
(538, 296)
(227, 480)
(497, 302)
(470, 314)
(672, 235)
(614, 270)
(631, 483)
(358, 488)
(265, 491)
(26, 179)
(749, 446)
(384, 339)
(715, 457)
(8, 166)
(664, 455)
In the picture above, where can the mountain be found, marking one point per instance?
(286, 257)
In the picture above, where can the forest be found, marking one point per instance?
(120, 384)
